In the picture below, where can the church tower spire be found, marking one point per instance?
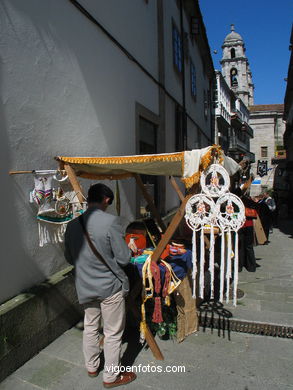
(235, 67)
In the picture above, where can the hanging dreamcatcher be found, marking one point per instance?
(215, 210)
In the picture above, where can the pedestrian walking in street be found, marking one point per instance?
(272, 207)
(95, 245)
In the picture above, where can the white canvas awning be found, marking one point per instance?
(186, 165)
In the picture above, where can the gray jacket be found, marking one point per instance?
(93, 280)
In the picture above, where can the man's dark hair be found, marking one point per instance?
(98, 192)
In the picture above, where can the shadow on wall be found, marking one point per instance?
(77, 54)
(70, 54)
(95, 62)
(17, 270)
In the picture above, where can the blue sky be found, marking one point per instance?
(265, 26)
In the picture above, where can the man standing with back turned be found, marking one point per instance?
(95, 245)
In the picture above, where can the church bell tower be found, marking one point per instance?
(235, 67)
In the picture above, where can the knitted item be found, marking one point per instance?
(155, 270)
(42, 193)
(157, 314)
(166, 283)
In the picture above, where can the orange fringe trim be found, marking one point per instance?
(123, 160)
(191, 180)
(205, 162)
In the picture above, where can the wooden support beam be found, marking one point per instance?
(74, 182)
(34, 171)
(170, 230)
(132, 305)
(150, 202)
(176, 188)
(149, 338)
(19, 172)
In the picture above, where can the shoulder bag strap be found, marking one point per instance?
(92, 246)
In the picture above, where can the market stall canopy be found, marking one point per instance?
(186, 165)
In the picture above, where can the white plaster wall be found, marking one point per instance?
(65, 90)
(123, 18)
(171, 196)
(173, 81)
(196, 108)
(170, 125)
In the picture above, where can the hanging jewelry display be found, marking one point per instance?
(205, 214)
(57, 205)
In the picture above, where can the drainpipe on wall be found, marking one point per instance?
(161, 141)
(216, 135)
(184, 116)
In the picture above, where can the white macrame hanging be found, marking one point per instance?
(203, 215)
(55, 210)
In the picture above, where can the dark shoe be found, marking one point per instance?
(122, 379)
(250, 270)
(93, 374)
(257, 265)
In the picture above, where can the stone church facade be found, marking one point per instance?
(235, 67)
(265, 120)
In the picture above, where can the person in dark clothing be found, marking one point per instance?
(270, 202)
(246, 238)
(265, 216)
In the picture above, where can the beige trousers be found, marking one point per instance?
(112, 310)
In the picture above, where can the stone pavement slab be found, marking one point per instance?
(268, 292)
(223, 362)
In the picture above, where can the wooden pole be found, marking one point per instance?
(170, 230)
(74, 182)
(153, 344)
(33, 171)
(19, 172)
(150, 202)
(176, 188)
(132, 305)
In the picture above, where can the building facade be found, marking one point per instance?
(119, 77)
(286, 171)
(268, 146)
(233, 90)
(222, 95)
(235, 67)
(232, 130)
(241, 132)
